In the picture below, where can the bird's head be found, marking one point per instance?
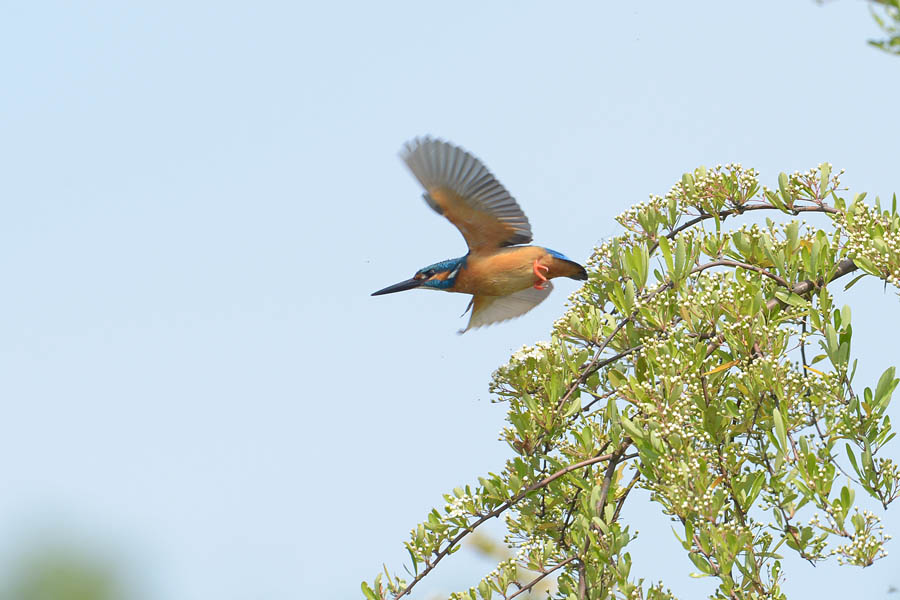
(439, 276)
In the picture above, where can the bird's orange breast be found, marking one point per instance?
(506, 271)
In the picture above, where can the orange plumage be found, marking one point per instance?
(509, 270)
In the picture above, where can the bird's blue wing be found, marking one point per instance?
(459, 187)
(493, 309)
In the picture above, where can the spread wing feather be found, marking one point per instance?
(459, 187)
(493, 309)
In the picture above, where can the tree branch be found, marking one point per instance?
(496, 513)
(804, 287)
(595, 364)
(801, 289)
(724, 214)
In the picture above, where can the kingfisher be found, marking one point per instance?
(505, 278)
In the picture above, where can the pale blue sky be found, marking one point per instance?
(198, 198)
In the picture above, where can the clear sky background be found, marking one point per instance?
(196, 199)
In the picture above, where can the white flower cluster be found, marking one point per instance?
(525, 352)
(866, 546)
(872, 236)
(808, 185)
(461, 506)
(518, 360)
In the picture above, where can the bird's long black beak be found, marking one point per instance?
(400, 287)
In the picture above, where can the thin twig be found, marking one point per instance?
(715, 567)
(582, 582)
(614, 461)
(621, 501)
(543, 574)
(733, 263)
(569, 513)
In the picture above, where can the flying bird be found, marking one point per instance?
(505, 279)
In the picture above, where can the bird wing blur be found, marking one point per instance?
(459, 187)
(493, 309)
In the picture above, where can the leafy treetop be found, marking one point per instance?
(709, 366)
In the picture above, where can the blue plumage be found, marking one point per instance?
(453, 265)
(558, 255)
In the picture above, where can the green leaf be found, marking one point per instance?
(845, 316)
(415, 562)
(574, 407)
(628, 258)
(824, 176)
(853, 281)
(701, 563)
(612, 411)
(639, 261)
(792, 233)
(367, 591)
(742, 243)
(667, 253)
(790, 298)
(616, 378)
(634, 432)
(866, 265)
(779, 428)
(775, 200)
(831, 341)
(885, 387)
(688, 183)
(755, 488)
(629, 296)
(680, 258)
(420, 534)
(783, 183)
(846, 498)
(867, 462)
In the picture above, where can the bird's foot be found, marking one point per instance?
(537, 268)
